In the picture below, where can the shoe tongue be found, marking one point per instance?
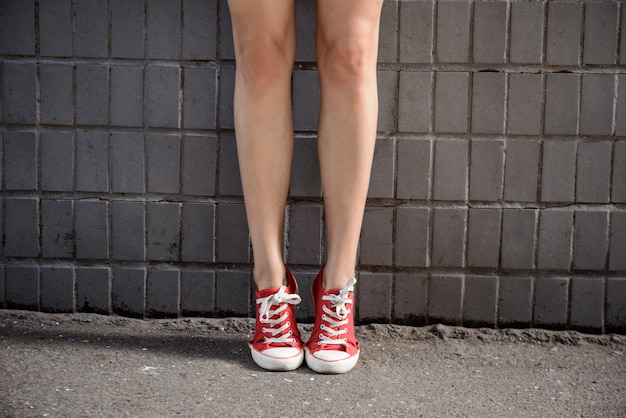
(267, 292)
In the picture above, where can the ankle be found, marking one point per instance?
(336, 279)
(269, 276)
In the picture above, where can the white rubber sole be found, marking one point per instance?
(330, 367)
(277, 364)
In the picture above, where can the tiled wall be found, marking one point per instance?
(498, 195)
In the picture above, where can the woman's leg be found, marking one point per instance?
(347, 48)
(264, 35)
(265, 39)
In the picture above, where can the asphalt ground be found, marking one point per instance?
(82, 365)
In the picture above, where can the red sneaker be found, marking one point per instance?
(332, 348)
(277, 344)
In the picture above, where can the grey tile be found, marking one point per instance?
(129, 291)
(162, 292)
(593, 172)
(525, 104)
(56, 161)
(17, 24)
(20, 160)
(618, 185)
(518, 238)
(486, 170)
(483, 239)
(22, 287)
(590, 240)
(526, 44)
(561, 108)
(305, 234)
(587, 304)
(551, 302)
(162, 227)
(128, 230)
(19, 92)
(90, 29)
(198, 232)
(555, 238)
(410, 299)
(451, 102)
(616, 304)
(413, 169)
(600, 33)
(488, 102)
(127, 28)
(490, 27)
(445, 297)
(200, 94)
(92, 94)
(522, 169)
(197, 292)
(92, 161)
(233, 241)
(93, 289)
(199, 32)
(617, 241)
(199, 165)
(563, 34)
(162, 90)
(373, 292)
(232, 293)
(57, 229)
(448, 237)
(453, 32)
(163, 162)
(596, 107)
(92, 229)
(21, 227)
(557, 179)
(126, 106)
(128, 166)
(163, 29)
(412, 237)
(415, 99)
(480, 301)
(450, 170)
(416, 31)
(55, 28)
(515, 301)
(377, 237)
(57, 289)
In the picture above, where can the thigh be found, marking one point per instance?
(259, 24)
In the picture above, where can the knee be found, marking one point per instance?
(350, 62)
(262, 61)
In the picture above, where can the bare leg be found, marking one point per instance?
(347, 47)
(265, 39)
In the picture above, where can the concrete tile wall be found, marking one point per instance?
(498, 192)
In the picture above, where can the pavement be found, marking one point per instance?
(83, 365)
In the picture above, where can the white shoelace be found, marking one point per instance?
(266, 315)
(338, 317)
